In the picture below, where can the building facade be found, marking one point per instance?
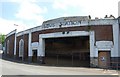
(68, 41)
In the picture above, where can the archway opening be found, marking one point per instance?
(68, 51)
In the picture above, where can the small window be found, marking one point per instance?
(21, 48)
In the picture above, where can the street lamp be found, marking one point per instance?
(15, 25)
(15, 42)
(22, 44)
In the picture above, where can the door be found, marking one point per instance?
(34, 57)
(104, 59)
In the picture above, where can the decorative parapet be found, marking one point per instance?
(65, 22)
(75, 21)
(38, 28)
(68, 22)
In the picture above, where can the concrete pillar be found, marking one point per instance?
(92, 41)
(115, 50)
(41, 52)
(29, 48)
(93, 54)
(15, 46)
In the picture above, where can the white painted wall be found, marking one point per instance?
(103, 46)
(92, 41)
(114, 52)
(29, 45)
(41, 50)
(119, 42)
(34, 46)
(15, 44)
(59, 34)
(119, 37)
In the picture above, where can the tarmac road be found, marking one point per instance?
(13, 68)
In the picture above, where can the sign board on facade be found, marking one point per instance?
(64, 21)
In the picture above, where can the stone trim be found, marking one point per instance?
(42, 37)
(83, 23)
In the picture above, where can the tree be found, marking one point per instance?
(2, 38)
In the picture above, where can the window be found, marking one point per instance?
(21, 48)
(8, 47)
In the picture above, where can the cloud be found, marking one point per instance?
(90, 7)
(28, 15)
(30, 11)
(63, 4)
(8, 26)
(19, 1)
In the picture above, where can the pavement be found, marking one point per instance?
(8, 67)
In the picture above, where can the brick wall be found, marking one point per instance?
(11, 45)
(102, 32)
(25, 38)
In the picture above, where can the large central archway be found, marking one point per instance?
(64, 49)
(67, 51)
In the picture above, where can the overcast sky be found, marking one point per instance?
(30, 13)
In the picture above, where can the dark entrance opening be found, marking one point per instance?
(67, 51)
(34, 57)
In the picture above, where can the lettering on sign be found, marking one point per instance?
(60, 24)
(48, 25)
